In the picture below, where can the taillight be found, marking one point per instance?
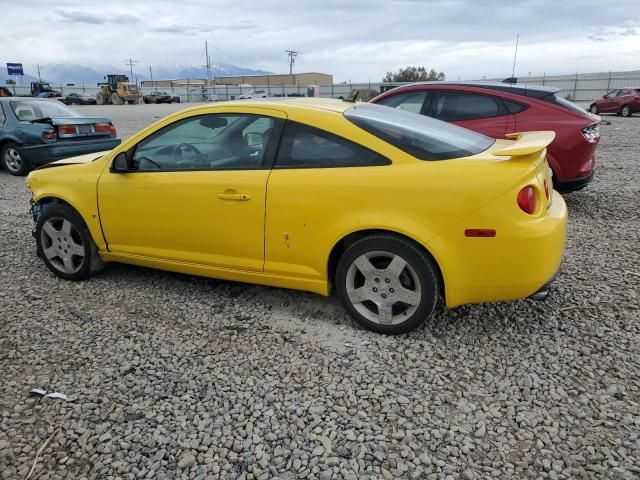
(105, 128)
(67, 130)
(592, 132)
(50, 135)
(527, 200)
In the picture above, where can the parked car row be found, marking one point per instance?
(435, 210)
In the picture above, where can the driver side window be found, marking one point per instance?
(209, 142)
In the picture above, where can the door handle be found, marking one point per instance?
(237, 197)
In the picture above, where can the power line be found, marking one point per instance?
(131, 63)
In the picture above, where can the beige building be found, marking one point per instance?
(310, 78)
(302, 79)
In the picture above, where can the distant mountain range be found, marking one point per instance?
(71, 73)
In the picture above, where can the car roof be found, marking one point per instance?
(330, 104)
(22, 99)
(533, 91)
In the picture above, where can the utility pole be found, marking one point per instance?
(151, 76)
(292, 59)
(39, 77)
(206, 52)
(131, 63)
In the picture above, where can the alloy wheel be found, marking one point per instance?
(62, 245)
(383, 287)
(13, 159)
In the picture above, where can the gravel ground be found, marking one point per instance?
(171, 376)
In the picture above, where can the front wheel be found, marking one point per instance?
(13, 160)
(65, 244)
(594, 109)
(625, 111)
(387, 284)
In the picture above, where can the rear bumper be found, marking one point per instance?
(42, 154)
(517, 263)
(573, 185)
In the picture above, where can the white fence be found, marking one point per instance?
(578, 87)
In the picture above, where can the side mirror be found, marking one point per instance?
(120, 163)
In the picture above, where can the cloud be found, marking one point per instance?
(77, 16)
(195, 29)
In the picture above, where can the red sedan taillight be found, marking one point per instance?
(592, 132)
(527, 200)
(105, 128)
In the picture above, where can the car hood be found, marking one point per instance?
(86, 158)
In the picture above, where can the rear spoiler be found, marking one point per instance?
(526, 143)
(72, 120)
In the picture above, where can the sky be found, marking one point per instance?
(351, 39)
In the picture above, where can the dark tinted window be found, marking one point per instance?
(307, 147)
(514, 107)
(458, 106)
(409, 101)
(210, 142)
(423, 137)
(564, 103)
(611, 94)
(622, 93)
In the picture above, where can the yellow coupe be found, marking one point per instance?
(389, 209)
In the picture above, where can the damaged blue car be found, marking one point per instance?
(36, 131)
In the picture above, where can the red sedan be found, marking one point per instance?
(622, 101)
(497, 109)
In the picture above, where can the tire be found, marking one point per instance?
(594, 109)
(145, 100)
(625, 111)
(65, 244)
(13, 160)
(409, 293)
(116, 99)
(101, 98)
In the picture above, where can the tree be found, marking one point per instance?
(11, 82)
(413, 74)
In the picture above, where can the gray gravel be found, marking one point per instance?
(171, 376)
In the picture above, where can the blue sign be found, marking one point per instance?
(14, 69)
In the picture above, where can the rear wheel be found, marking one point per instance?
(65, 244)
(13, 160)
(116, 99)
(387, 284)
(594, 109)
(625, 111)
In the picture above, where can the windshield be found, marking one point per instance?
(423, 137)
(28, 110)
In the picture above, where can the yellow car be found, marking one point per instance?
(389, 209)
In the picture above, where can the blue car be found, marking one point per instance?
(35, 131)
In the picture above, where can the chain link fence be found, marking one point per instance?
(577, 87)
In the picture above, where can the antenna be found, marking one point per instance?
(131, 63)
(515, 54)
(292, 59)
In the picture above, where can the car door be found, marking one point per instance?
(608, 103)
(195, 191)
(480, 112)
(315, 177)
(624, 97)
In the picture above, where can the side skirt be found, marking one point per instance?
(260, 278)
